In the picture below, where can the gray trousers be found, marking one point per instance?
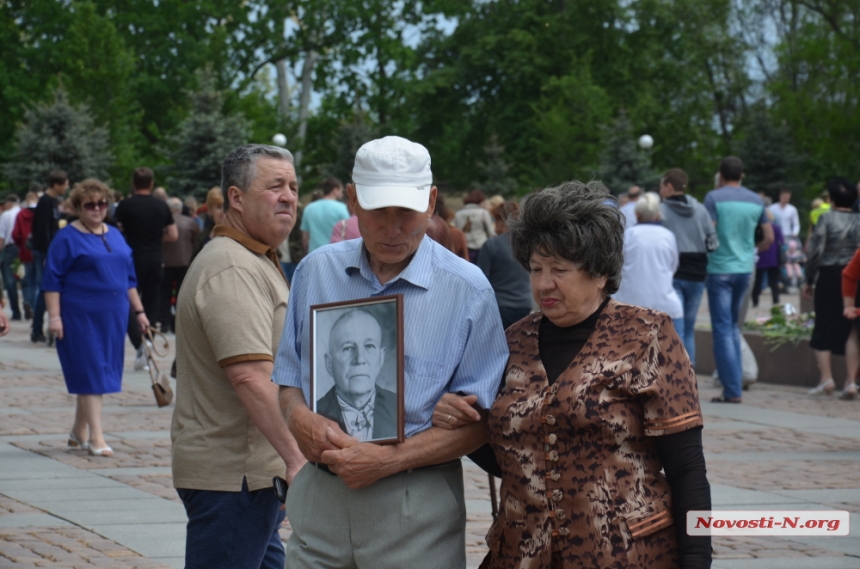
(412, 519)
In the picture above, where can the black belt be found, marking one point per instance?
(324, 467)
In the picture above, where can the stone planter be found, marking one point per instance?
(787, 365)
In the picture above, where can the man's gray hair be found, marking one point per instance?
(648, 207)
(175, 205)
(574, 221)
(349, 315)
(239, 166)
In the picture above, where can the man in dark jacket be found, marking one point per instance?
(688, 219)
(46, 221)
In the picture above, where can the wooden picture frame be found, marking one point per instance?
(356, 364)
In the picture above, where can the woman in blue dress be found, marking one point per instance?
(89, 282)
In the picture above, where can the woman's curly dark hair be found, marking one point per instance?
(574, 221)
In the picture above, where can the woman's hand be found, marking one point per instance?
(850, 312)
(4, 325)
(454, 411)
(143, 322)
(55, 327)
(806, 290)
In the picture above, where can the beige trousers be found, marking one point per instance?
(414, 519)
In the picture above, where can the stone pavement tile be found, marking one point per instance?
(160, 485)
(785, 475)
(774, 440)
(127, 453)
(478, 511)
(748, 547)
(10, 506)
(66, 548)
(784, 398)
(115, 419)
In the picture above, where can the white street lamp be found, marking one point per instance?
(646, 142)
(279, 139)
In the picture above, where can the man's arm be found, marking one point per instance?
(171, 234)
(308, 428)
(767, 232)
(362, 464)
(259, 396)
(306, 239)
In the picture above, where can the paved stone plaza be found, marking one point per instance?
(61, 508)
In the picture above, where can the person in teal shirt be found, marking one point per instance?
(735, 211)
(321, 216)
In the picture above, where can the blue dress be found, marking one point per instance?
(93, 284)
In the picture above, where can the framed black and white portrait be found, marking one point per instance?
(357, 366)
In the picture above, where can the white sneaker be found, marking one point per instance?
(140, 363)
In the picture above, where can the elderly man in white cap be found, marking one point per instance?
(359, 504)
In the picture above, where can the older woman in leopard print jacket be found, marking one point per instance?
(597, 399)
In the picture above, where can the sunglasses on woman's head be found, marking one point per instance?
(92, 206)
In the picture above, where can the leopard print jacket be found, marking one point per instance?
(582, 483)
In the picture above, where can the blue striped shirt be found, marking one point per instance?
(453, 336)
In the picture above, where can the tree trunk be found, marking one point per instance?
(283, 88)
(304, 102)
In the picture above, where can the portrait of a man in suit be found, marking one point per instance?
(355, 357)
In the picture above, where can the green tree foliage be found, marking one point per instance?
(622, 162)
(814, 85)
(493, 171)
(197, 149)
(768, 154)
(46, 47)
(58, 136)
(568, 120)
(546, 76)
(347, 140)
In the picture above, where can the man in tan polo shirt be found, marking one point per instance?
(228, 432)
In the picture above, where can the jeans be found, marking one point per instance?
(29, 288)
(725, 295)
(7, 256)
(39, 307)
(690, 293)
(233, 530)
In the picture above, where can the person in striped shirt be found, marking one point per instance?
(359, 504)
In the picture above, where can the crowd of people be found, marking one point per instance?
(552, 340)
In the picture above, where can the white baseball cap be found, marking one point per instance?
(392, 172)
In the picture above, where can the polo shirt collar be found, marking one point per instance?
(418, 272)
(248, 243)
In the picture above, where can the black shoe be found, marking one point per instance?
(36, 338)
(16, 318)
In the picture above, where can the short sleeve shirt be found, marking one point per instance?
(143, 219)
(319, 218)
(581, 472)
(231, 309)
(736, 211)
(453, 336)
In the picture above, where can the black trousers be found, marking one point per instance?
(149, 270)
(773, 278)
(170, 283)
